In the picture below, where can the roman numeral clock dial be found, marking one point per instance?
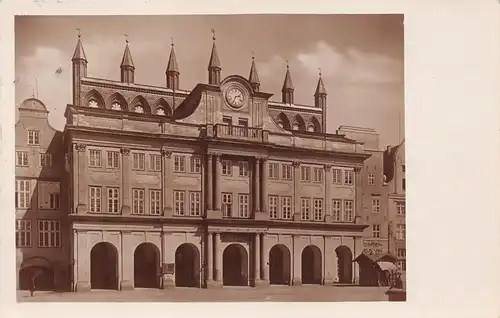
(235, 97)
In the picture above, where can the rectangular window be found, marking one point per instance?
(180, 203)
(23, 233)
(22, 158)
(138, 201)
(154, 162)
(48, 195)
(401, 252)
(45, 160)
(337, 176)
(195, 203)
(195, 164)
(179, 164)
(113, 160)
(33, 137)
(243, 168)
(376, 230)
(401, 208)
(95, 199)
(155, 202)
(348, 211)
(138, 163)
(273, 207)
(243, 211)
(375, 206)
(226, 167)
(49, 233)
(318, 174)
(227, 204)
(402, 265)
(305, 174)
(337, 210)
(54, 201)
(227, 120)
(403, 184)
(273, 171)
(243, 122)
(403, 168)
(371, 179)
(23, 191)
(318, 210)
(286, 171)
(348, 177)
(401, 232)
(95, 158)
(286, 207)
(114, 200)
(305, 209)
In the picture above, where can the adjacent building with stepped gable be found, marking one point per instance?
(214, 186)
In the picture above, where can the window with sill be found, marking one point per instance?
(227, 204)
(49, 233)
(23, 194)
(138, 161)
(154, 162)
(195, 203)
(286, 208)
(48, 195)
(375, 205)
(243, 211)
(402, 265)
(305, 174)
(371, 179)
(33, 137)
(179, 203)
(337, 176)
(336, 210)
(401, 208)
(195, 164)
(155, 202)
(243, 168)
(286, 171)
(348, 210)
(138, 201)
(401, 253)
(318, 210)
(113, 161)
(400, 231)
(94, 158)
(348, 177)
(179, 164)
(305, 204)
(273, 207)
(318, 174)
(23, 233)
(376, 230)
(95, 199)
(273, 171)
(227, 166)
(22, 158)
(45, 160)
(113, 200)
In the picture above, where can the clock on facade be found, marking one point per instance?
(235, 97)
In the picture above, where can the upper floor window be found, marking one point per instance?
(138, 163)
(179, 203)
(401, 231)
(318, 174)
(402, 265)
(155, 202)
(95, 199)
(401, 252)
(286, 171)
(227, 120)
(305, 204)
(348, 177)
(195, 203)
(403, 184)
(113, 200)
(195, 164)
(45, 160)
(179, 164)
(22, 158)
(401, 208)
(33, 137)
(227, 204)
(337, 176)
(138, 201)
(273, 207)
(273, 171)
(371, 179)
(403, 168)
(49, 233)
(155, 162)
(286, 207)
(376, 230)
(23, 233)
(226, 167)
(318, 210)
(336, 210)
(243, 122)
(243, 211)
(95, 158)
(113, 159)
(243, 168)
(48, 195)
(23, 191)
(375, 205)
(305, 173)
(348, 211)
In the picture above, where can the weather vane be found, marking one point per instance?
(253, 55)
(126, 38)
(319, 68)
(287, 65)
(213, 34)
(79, 33)
(172, 41)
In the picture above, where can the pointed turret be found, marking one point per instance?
(320, 100)
(79, 63)
(172, 72)
(214, 65)
(127, 66)
(253, 78)
(287, 89)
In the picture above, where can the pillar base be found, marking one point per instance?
(82, 286)
(168, 283)
(261, 283)
(328, 218)
(126, 285)
(214, 214)
(296, 282)
(214, 284)
(328, 281)
(81, 209)
(126, 210)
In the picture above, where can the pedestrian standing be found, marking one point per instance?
(32, 285)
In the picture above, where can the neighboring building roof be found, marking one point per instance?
(33, 104)
(389, 158)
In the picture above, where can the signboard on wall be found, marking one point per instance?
(374, 247)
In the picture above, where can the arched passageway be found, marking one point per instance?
(235, 266)
(344, 264)
(279, 265)
(311, 265)
(146, 266)
(104, 266)
(38, 268)
(187, 266)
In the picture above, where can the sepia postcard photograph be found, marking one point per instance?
(261, 157)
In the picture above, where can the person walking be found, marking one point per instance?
(33, 285)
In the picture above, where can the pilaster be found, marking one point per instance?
(167, 176)
(328, 194)
(126, 172)
(296, 192)
(80, 165)
(358, 190)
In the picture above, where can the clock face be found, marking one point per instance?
(235, 97)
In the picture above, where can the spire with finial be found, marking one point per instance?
(214, 64)
(253, 78)
(287, 89)
(127, 66)
(320, 100)
(320, 88)
(172, 71)
(79, 63)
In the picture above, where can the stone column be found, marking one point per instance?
(256, 180)
(265, 259)
(210, 182)
(210, 260)
(218, 260)
(328, 194)
(167, 182)
(358, 249)
(127, 279)
(257, 251)
(126, 204)
(217, 176)
(265, 174)
(330, 263)
(168, 258)
(296, 187)
(358, 190)
(80, 171)
(83, 262)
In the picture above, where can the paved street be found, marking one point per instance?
(271, 293)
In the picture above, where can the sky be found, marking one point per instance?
(361, 58)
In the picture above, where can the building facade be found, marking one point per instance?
(217, 185)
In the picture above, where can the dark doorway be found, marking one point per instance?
(311, 265)
(187, 266)
(344, 264)
(44, 278)
(279, 265)
(146, 266)
(104, 266)
(235, 266)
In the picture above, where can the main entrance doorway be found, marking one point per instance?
(235, 266)
(311, 265)
(279, 265)
(104, 266)
(187, 266)
(344, 264)
(146, 266)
